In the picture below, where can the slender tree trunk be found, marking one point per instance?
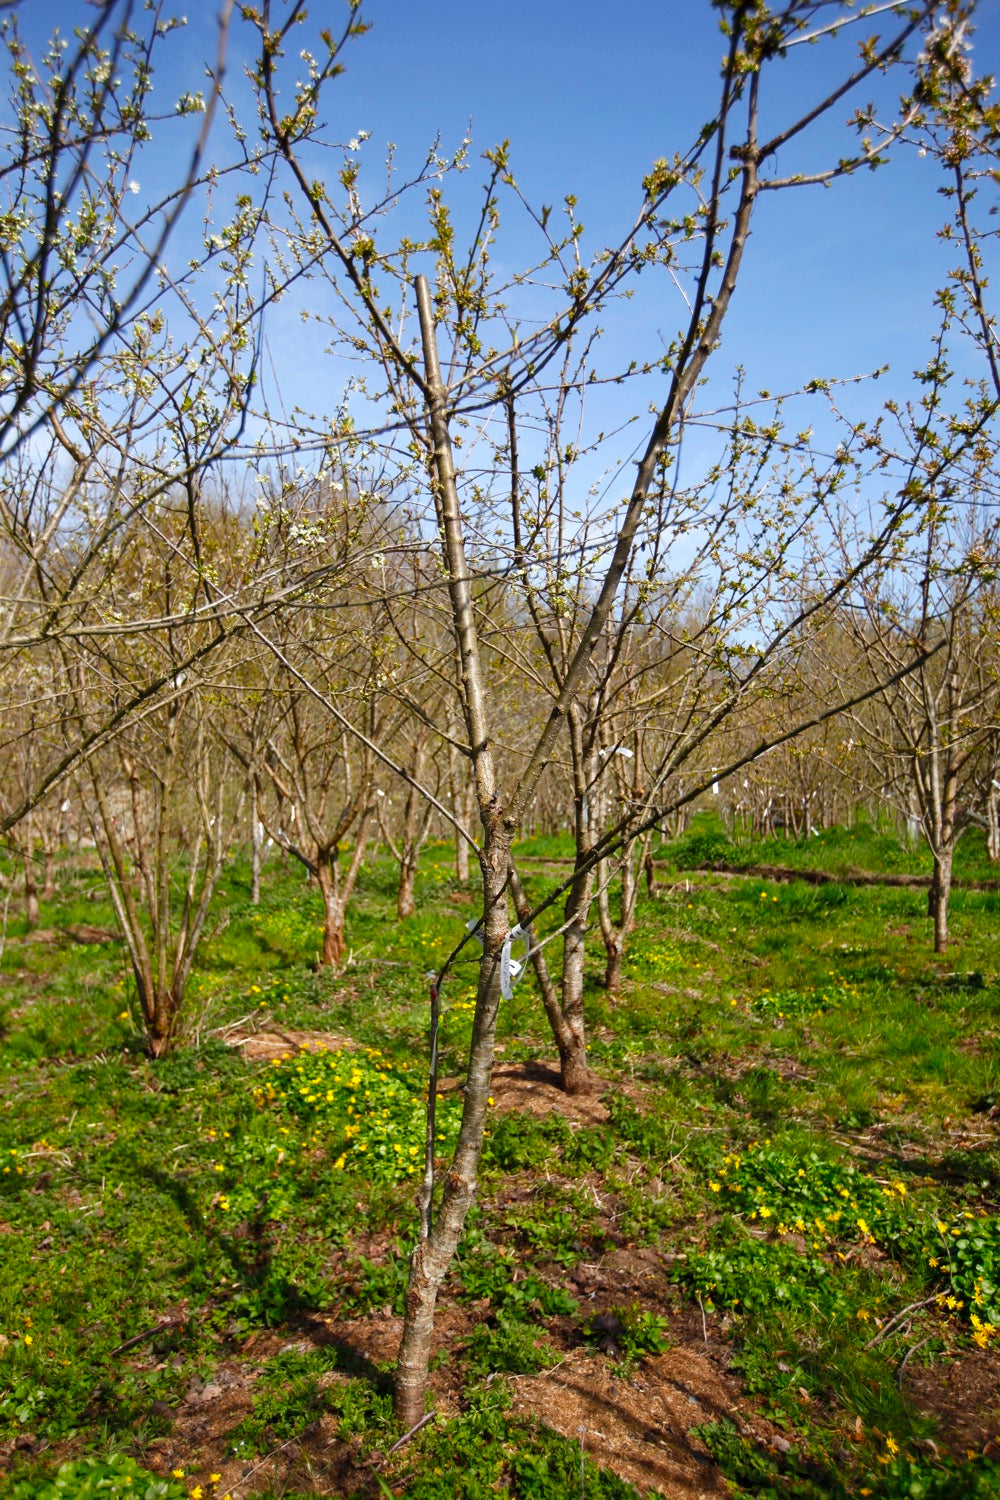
(414, 830)
(461, 860)
(572, 1042)
(30, 890)
(434, 1253)
(436, 1248)
(616, 935)
(256, 858)
(463, 797)
(405, 902)
(613, 966)
(993, 824)
(49, 867)
(328, 880)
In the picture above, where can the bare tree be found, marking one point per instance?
(930, 727)
(489, 363)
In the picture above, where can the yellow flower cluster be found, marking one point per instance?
(360, 1106)
(198, 1492)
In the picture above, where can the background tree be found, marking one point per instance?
(933, 724)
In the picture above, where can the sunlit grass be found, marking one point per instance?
(227, 1197)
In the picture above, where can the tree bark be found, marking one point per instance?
(433, 1254)
(938, 897)
(256, 857)
(405, 903)
(328, 880)
(30, 891)
(572, 1041)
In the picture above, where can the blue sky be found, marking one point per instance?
(836, 281)
(589, 95)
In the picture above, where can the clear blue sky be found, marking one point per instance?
(590, 94)
(836, 281)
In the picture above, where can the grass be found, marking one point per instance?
(799, 1097)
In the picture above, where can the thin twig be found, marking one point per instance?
(428, 1417)
(892, 1324)
(265, 1460)
(140, 1338)
(906, 1357)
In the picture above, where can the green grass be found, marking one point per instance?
(798, 1096)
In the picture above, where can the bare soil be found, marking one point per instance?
(636, 1421)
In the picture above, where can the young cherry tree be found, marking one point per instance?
(160, 798)
(694, 220)
(930, 728)
(133, 301)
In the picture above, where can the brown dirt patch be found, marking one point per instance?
(318, 1461)
(264, 1045)
(640, 1427)
(964, 1397)
(533, 1089)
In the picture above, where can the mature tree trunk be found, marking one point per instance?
(405, 902)
(49, 867)
(336, 892)
(328, 879)
(160, 1009)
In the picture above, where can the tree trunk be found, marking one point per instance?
(327, 878)
(464, 801)
(160, 1016)
(570, 1037)
(937, 899)
(572, 1040)
(993, 824)
(30, 891)
(256, 859)
(613, 967)
(461, 859)
(616, 935)
(434, 1253)
(49, 886)
(405, 902)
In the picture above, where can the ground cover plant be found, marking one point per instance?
(765, 1259)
